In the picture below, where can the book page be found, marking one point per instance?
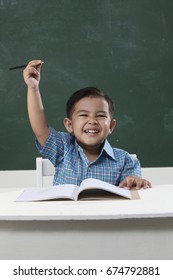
(98, 184)
(56, 192)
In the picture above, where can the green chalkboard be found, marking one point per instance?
(124, 47)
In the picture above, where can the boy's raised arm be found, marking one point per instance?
(36, 111)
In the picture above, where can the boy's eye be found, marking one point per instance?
(83, 115)
(102, 116)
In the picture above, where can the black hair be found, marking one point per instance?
(87, 92)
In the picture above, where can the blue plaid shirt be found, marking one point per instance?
(72, 165)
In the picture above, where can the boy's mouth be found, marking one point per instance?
(91, 131)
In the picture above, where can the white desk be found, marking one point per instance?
(115, 229)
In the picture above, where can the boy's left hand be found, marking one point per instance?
(134, 181)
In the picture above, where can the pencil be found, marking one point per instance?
(22, 66)
(18, 67)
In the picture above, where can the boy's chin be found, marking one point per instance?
(91, 144)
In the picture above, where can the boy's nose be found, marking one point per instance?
(93, 121)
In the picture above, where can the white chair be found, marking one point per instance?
(43, 168)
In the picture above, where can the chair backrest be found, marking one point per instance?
(43, 168)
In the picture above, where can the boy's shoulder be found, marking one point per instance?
(116, 153)
(121, 154)
(113, 150)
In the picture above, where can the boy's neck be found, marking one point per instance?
(91, 156)
(92, 153)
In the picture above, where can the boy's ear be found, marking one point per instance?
(112, 125)
(68, 125)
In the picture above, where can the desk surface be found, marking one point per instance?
(153, 203)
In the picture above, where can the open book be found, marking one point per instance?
(89, 189)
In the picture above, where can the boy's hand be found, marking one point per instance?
(134, 181)
(31, 73)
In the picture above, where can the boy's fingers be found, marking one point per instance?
(33, 68)
(132, 181)
(122, 184)
(146, 184)
(29, 70)
(36, 64)
(141, 183)
(137, 184)
(126, 183)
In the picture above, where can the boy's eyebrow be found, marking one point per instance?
(80, 111)
(86, 111)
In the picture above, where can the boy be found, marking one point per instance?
(83, 152)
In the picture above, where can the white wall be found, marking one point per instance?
(18, 178)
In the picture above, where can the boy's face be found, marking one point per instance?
(90, 122)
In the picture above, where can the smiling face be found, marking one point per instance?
(90, 122)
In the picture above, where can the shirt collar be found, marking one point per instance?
(108, 149)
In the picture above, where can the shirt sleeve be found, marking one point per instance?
(131, 167)
(53, 149)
